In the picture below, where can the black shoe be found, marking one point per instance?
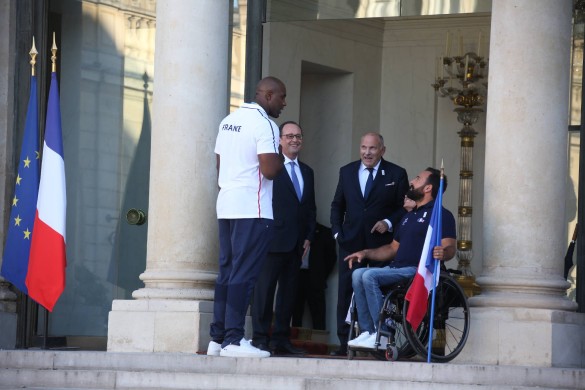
(287, 349)
(339, 352)
(261, 346)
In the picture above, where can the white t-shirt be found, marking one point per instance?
(244, 191)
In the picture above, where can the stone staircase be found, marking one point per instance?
(45, 369)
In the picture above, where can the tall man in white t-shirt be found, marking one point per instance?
(247, 160)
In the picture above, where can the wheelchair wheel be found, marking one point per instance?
(450, 323)
(392, 317)
(392, 353)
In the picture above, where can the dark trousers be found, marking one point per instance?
(311, 290)
(344, 292)
(243, 244)
(281, 268)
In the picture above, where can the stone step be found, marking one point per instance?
(155, 380)
(120, 379)
(107, 370)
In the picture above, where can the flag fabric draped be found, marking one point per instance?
(15, 259)
(425, 277)
(46, 273)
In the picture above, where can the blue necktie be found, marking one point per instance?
(295, 180)
(369, 183)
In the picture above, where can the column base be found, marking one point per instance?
(527, 337)
(164, 325)
(468, 284)
(8, 334)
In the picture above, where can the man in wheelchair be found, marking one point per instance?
(405, 251)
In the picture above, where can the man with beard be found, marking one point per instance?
(405, 251)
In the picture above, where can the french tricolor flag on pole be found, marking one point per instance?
(427, 276)
(46, 270)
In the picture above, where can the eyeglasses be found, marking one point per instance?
(292, 136)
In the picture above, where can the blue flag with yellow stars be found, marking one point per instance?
(24, 203)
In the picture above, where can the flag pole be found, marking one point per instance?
(33, 54)
(53, 70)
(33, 60)
(54, 55)
(33, 57)
(438, 203)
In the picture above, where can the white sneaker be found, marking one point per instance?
(357, 340)
(245, 349)
(367, 342)
(370, 342)
(213, 349)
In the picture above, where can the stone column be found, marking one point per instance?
(172, 312)
(523, 316)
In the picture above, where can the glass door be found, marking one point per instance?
(106, 75)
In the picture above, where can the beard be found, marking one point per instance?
(415, 193)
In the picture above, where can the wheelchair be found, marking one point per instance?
(450, 324)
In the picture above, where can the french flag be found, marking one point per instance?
(426, 278)
(46, 270)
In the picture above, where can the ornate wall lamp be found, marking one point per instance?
(463, 79)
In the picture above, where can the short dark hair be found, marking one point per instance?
(434, 179)
(289, 123)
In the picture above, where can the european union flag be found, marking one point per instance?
(24, 203)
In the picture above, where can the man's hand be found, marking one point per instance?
(439, 253)
(380, 227)
(357, 256)
(306, 246)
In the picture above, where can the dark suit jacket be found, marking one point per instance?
(294, 221)
(352, 216)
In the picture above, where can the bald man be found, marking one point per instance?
(247, 161)
(366, 207)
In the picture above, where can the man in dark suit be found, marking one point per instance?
(313, 279)
(293, 205)
(366, 207)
